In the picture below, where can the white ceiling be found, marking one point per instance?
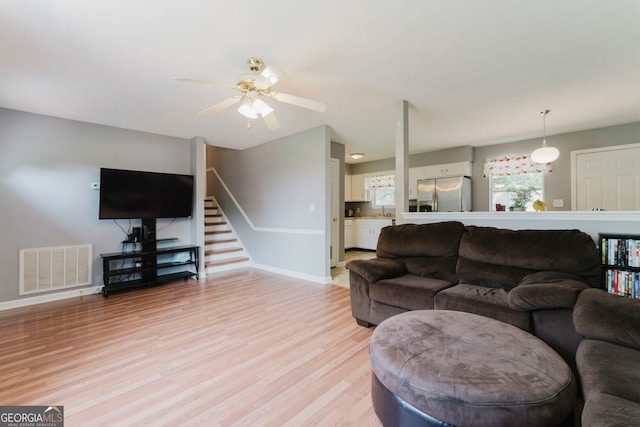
(473, 72)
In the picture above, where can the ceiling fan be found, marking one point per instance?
(254, 88)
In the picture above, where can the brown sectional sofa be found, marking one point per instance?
(608, 359)
(528, 278)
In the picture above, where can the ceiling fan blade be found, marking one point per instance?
(206, 82)
(220, 106)
(272, 121)
(267, 78)
(300, 102)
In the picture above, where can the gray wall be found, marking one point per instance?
(46, 167)
(558, 182)
(274, 184)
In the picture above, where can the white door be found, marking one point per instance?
(606, 178)
(335, 201)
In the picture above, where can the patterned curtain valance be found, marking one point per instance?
(382, 181)
(513, 165)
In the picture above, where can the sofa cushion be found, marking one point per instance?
(434, 267)
(420, 240)
(488, 275)
(488, 302)
(614, 318)
(408, 291)
(503, 257)
(546, 290)
(606, 410)
(608, 368)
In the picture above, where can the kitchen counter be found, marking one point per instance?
(591, 222)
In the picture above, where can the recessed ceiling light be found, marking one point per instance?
(357, 156)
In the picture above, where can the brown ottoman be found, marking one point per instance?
(439, 367)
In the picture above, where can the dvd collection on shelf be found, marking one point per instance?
(621, 264)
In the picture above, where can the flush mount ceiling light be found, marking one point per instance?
(545, 154)
(357, 156)
(253, 87)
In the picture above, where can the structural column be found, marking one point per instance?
(402, 156)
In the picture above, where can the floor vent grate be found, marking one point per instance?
(54, 268)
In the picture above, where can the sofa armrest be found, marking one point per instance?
(546, 290)
(604, 316)
(376, 269)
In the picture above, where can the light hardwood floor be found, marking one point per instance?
(246, 348)
(340, 275)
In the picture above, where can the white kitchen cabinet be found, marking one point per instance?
(349, 240)
(447, 169)
(368, 231)
(359, 191)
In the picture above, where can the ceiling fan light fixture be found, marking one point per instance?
(261, 107)
(268, 77)
(357, 156)
(246, 109)
(545, 154)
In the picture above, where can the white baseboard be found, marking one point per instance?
(54, 296)
(297, 275)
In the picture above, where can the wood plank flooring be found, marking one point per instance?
(244, 348)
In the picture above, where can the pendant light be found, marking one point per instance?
(544, 154)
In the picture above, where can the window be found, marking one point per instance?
(516, 191)
(515, 182)
(383, 190)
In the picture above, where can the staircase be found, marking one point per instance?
(222, 249)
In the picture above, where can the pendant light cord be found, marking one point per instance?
(544, 126)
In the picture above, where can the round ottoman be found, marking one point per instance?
(439, 367)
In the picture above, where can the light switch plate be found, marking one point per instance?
(95, 185)
(558, 203)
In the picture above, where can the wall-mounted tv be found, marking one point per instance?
(127, 194)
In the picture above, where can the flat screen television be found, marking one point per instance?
(127, 194)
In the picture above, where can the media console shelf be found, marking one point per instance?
(137, 268)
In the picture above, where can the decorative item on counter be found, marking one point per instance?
(521, 198)
(539, 205)
(500, 207)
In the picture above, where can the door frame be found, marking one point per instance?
(334, 247)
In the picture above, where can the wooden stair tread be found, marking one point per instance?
(225, 262)
(216, 242)
(217, 232)
(221, 251)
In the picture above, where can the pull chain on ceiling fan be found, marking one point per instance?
(254, 87)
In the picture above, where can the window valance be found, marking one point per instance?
(513, 165)
(382, 181)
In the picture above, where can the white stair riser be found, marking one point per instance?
(212, 246)
(213, 220)
(226, 267)
(216, 227)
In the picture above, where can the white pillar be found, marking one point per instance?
(199, 171)
(402, 157)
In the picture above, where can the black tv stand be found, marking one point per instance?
(136, 268)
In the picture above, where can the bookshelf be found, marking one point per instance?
(621, 264)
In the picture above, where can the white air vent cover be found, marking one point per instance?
(54, 268)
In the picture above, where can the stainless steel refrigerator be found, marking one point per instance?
(451, 194)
